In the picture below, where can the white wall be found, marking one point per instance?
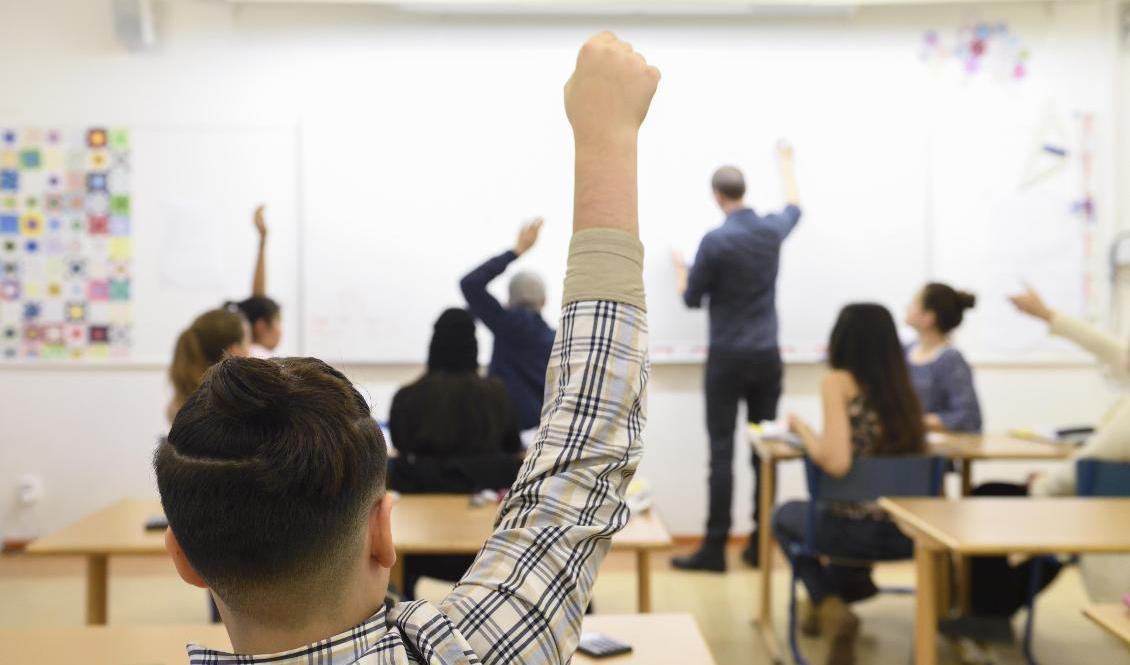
(89, 432)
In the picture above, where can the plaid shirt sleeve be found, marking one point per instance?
(524, 598)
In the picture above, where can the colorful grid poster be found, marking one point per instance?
(65, 252)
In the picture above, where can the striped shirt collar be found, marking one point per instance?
(341, 649)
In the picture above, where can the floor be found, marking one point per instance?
(147, 591)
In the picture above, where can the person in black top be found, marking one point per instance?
(452, 411)
(455, 433)
(735, 272)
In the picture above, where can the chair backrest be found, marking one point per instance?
(464, 474)
(1097, 478)
(873, 477)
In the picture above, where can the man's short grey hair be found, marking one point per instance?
(527, 291)
(729, 182)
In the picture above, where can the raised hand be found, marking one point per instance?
(609, 93)
(1032, 304)
(785, 151)
(606, 100)
(528, 236)
(261, 221)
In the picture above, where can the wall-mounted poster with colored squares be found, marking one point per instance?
(65, 250)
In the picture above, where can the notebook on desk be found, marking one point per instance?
(1076, 435)
(771, 430)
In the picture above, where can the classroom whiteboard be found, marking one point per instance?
(195, 189)
(909, 170)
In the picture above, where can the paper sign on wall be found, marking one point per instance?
(65, 253)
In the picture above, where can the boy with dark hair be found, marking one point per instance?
(272, 476)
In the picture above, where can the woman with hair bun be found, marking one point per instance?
(213, 335)
(941, 376)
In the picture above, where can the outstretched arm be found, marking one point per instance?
(483, 305)
(259, 279)
(524, 598)
(787, 163)
(1111, 351)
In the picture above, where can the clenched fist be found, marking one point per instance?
(608, 95)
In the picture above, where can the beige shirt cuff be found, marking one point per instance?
(605, 264)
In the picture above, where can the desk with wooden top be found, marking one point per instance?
(422, 524)
(1114, 618)
(966, 448)
(656, 639)
(464, 528)
(987, 526)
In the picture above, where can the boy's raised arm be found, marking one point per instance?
(524, 598)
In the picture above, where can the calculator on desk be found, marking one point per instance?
(598, 645)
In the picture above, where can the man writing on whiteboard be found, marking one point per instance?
(735, 270)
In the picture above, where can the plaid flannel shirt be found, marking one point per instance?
(523, 599)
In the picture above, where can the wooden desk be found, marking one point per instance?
(965, 448)
(118, 530)
(447, 524)
(970, 448)
(1114, 618)
(657, 639)
(998, 526)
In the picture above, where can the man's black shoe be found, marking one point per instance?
(709, 559)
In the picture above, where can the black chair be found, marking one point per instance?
(868, 479)
(461, 474)
(1097, 478)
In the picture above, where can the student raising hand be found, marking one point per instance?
(528, 236)
(610, 91)
(606, 101)
(259, 277)
(524, 597)
(1032, 304)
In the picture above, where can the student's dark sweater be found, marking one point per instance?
(522, 341)
(453, 414)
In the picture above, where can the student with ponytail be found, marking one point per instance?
(212, 336)
(942, 378)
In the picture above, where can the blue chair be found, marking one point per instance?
(868, 479)
(1097, 478)
(1092, 478)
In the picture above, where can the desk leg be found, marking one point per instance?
(961, 563)
(945, 584)
(964, 585)
(396, 575)
(97, 572)
(765, 539)
(643, 581)
(926, 617)
(765, 548)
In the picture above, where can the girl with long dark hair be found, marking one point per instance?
(870, 408)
